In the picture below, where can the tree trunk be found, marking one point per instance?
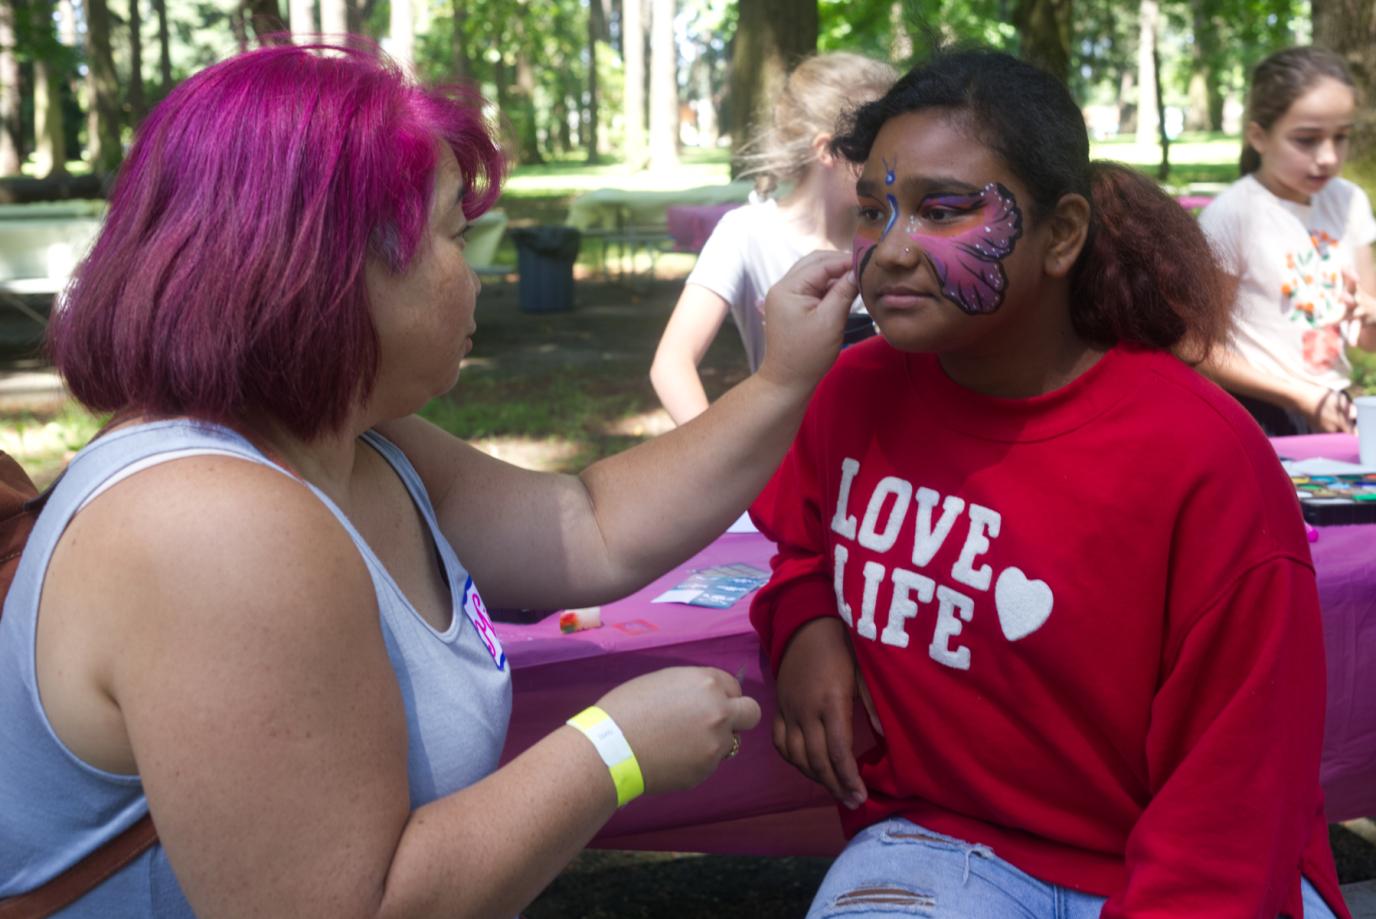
(11, 133)
(520, 97)
(901, 47)
(238, 27)
(334, 18)
(164, 48)
(633, 55)
(1206, 52)
(49, 130)
(597, 28)
(137, 104)
(560, 132)
(102, 91)
(462, 68)
(301, 14)
(1146, 74)
(403, 49)
(1349, 28)
(1163, 169)
(1044, 29)
(705, 109)
(770, 38)
(663, 87)
(523, 97)
(265, 16)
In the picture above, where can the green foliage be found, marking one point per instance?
(908, 31)
(1363, 370)
(1222, 37)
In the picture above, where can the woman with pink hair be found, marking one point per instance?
(251, 607)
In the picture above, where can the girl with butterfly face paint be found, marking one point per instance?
(1068, 570)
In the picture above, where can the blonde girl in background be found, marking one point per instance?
(752, 246)
(1297, 239)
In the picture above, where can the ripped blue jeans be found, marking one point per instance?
(897, 868)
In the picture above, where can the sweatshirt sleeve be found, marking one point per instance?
(1233, 755)
(789, 511)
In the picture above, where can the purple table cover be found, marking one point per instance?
(689, 225)
(756, 804)
(1345, 559)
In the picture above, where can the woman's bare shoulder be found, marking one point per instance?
(198, 571)
(222, 528)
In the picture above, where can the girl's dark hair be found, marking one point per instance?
(1146, 275)
(1281, 79)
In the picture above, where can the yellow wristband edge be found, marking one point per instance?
(625, 772)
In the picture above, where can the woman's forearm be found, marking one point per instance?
(520, 826)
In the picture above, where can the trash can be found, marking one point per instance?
(544, 260)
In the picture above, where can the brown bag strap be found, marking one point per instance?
(84, 876)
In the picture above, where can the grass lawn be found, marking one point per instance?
(1199, 161)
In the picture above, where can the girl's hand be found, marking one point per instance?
(805, 316)
(1361, 306)
(816, 690)
(1329, 411)
(680, 722)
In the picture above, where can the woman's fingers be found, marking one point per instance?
(744, 713)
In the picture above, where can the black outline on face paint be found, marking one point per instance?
(980, 250)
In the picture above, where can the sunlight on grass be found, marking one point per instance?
(1199, 162)
(1190, 149)
(571, 177)
(44, 443)
(558, 422)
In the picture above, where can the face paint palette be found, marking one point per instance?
(1337, 500)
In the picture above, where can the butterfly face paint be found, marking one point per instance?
(966, 238)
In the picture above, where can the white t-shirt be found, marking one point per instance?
(1289, 260)
(750, 249)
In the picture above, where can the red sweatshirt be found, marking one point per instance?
(1088, 619)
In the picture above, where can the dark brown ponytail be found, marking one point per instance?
(1147, 275)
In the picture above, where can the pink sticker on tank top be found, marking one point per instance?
(476, 611)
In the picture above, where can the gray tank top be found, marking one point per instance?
(55, 809)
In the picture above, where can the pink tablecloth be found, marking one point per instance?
(1194, 203)
(1345, 559)
(690, 224)
(755, 804)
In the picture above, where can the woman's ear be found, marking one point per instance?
(1068, 225)
(1255, 136)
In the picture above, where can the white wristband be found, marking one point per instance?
(611, 745)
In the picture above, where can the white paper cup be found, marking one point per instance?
(1366, 429)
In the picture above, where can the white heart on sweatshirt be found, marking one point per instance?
(1024, 604)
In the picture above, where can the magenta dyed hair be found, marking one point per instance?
(228, 276)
